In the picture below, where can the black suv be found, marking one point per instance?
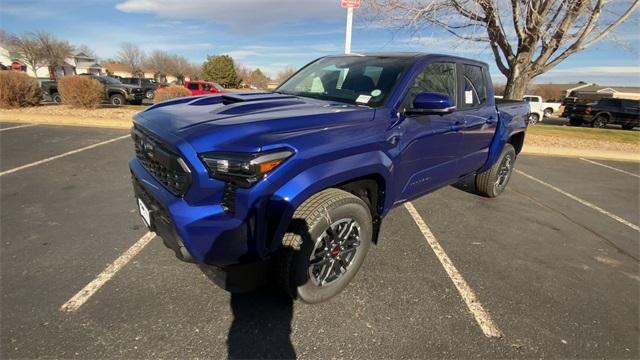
(623, 112)
(148, 86)
(115, 92)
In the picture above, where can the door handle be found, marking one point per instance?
(457, 126)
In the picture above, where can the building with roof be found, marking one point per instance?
(80, 63)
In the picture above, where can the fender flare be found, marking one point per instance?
(283, 203)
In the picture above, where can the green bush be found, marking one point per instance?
(18, 90)
(81, 91)
(171, 92)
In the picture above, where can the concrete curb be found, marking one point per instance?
(585, 153)
(126, 124)
(44, 119)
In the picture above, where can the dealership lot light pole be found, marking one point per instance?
(349, 5)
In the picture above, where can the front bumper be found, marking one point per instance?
(204, 234)
(135, 96)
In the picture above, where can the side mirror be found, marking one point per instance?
(432, 103)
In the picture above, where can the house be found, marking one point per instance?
(80, 63)
(122, 70)
(597, 91)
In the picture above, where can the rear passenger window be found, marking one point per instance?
(436, 78)
(474, 93)
(193, 86)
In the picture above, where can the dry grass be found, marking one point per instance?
(116, 113)
(583, 138)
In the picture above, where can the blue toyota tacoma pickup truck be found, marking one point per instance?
(302, 177)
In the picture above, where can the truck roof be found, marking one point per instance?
(411, 55)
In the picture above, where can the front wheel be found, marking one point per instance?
(150, 94)
(56, 98)
(493, 182)
(116, 99)
(533, 119)
(327, 242)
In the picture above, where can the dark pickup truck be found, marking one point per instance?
(622, 112)
(301, 179)
(149, 86)
(115, 92)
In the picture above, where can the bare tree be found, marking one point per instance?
(56, 52)
(527, 37)
(132, 56)
(27, 49)
(161, 62)
(285, 74)
(85, 49)
(178, 67)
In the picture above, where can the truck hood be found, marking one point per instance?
(247, 122)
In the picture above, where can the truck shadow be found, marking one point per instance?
(468, 184)
(261, 326)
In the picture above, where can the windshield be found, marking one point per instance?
(361, 80)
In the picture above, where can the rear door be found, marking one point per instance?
(480, 117)
(429, 144)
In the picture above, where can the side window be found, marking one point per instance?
(436, 77)
(206, 87)
(474, 93)
(192, 86)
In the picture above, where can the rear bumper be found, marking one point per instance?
(204, 234)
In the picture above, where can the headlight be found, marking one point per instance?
(243, 169)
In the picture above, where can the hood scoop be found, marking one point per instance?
(236, 98)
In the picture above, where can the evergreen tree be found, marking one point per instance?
(221, 69)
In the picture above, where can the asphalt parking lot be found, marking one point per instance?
(554, 262)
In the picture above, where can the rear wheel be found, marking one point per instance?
(548, 112)
(599, 122)
(493, 182)
(327, 242)
(56, 98)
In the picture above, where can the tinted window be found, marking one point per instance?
(474, 89)
(437, 78)
(630, 103)
(192, 86)
(610, 102)
(206, 87)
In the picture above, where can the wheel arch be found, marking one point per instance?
(517, 141)
(370, 182)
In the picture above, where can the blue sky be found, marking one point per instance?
(272, 34)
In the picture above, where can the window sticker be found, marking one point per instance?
(363, 99)
(468, 97)
(376, 92)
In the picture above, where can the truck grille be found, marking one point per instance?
(164, 165)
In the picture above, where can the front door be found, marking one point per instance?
(429, 144)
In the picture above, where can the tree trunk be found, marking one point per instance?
(517, 83)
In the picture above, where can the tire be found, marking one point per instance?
(627, 126)
(150, 94)
(533, 119)
(116, 99)
(56, 98)
(599, 122)
(493, 182)
(548, 112)
(135, 102)
(575, 122)
(312, 237)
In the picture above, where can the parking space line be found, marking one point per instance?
(581, 201)
(40, 162)
(610, 167)
(83, 295)
(482, 317)
(17, 127)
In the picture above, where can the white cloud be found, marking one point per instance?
(240, 14)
